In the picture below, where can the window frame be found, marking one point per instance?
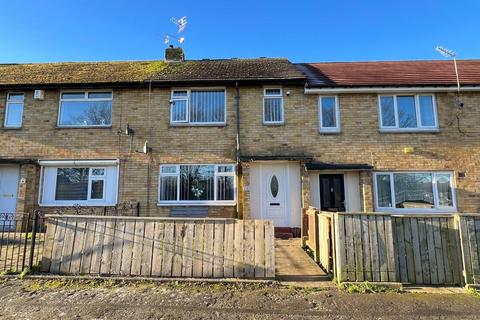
(437, 208)
(214, 202)
(420, 127)
(111, 178)
(7, 107)
(323, 129)
(282, 105)
(187, 122)
(86, 92)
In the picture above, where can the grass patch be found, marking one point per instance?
(366, 287)
(474, 292)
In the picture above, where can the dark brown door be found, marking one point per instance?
(332, 192)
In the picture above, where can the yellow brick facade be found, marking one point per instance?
(148, 114)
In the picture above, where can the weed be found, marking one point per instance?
(366, 287)
(474, 292)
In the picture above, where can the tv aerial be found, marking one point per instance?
(181, 24)
(447, 53)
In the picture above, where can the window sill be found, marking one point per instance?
(71, 204)
(433, 130)
(413, 212)
(197, 125)
(196, 204)
(330, 131)
(83, 127)
(274, 124)
(11, 128)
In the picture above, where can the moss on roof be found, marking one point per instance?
(141, 71)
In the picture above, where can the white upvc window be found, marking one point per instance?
(79, 183)
(198, 106)
(329, 114)
(407, 112)
(85, 109)
(414, 192)
(14, 110)
(197, 184)
(273, 110)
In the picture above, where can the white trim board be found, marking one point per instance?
(413, 89)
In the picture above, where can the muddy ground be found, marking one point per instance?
(54, 299)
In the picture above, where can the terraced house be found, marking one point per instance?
(248, 138)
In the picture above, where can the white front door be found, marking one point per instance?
(274, 194)
(9, 178)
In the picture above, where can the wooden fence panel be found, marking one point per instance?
(426, 250)
(470, 247)
(167, 247)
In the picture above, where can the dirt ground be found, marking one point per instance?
(55, 299)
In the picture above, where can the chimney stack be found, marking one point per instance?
(174, 54)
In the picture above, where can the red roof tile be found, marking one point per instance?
(391, 73)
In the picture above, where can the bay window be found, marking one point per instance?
(407, 112)
(414, 191)
(85, 109)
(197, 184)
(198, 106)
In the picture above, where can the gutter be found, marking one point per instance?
(422, 89)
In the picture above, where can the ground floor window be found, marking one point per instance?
(414, 191)
(79, 182)
(197, 184)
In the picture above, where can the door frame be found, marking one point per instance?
(16, 166)
(345, 189)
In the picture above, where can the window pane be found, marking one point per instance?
(413, 190)
(14, 115)
(17, 97)
(224, 169)
(98, 172)
(445, 198)
(407, 116)
(273, 110)
(328, 113)
(179, 94)
(179, 110)
(168, 188)
(388, 111)
(86, 113)
(97, 189)
(169, 169)
(207, 106)
(100, 95)
(73, 95)
(384, 192)
(197, 182)
(225, 188)
(427, 117)
(273, 92)
(72, 184)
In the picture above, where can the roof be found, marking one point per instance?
(391, 73)
(314, 165)
(71, 73)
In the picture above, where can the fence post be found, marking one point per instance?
(25, 225)
(36, 215)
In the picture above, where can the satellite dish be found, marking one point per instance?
(146, 148)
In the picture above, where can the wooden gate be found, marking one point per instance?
(159, 247)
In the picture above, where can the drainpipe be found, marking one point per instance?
(237, 128)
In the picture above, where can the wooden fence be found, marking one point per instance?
(470, 243)
(415, 249)
(159, 247)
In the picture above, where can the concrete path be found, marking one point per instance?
(295, 267)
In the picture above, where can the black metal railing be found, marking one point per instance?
(22, 237)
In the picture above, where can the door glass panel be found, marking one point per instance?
(274, 186)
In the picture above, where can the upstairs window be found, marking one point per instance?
(408, 113)
(197, 184)
(273, 106)
(414, 191)
(14, 110)
(198, 106)
(329, 114)
(85, 109)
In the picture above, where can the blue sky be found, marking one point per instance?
(68, 30)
